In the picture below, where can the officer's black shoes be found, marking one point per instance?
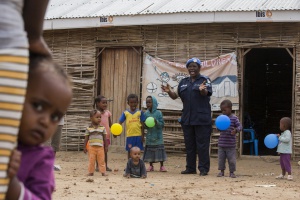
(204, 173)
(188, 172)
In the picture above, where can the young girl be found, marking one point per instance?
(48, 96)
(285, 148)
(135, 167)
(96, 136)
(227, 141)
(154, 150)
(101, 105)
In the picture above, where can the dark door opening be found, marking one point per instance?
(268, 82)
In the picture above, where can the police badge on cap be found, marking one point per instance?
(194, 60)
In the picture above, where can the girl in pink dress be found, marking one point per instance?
(101, 105)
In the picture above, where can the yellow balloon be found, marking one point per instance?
(116, 129)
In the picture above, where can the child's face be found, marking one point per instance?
(149, 103)
(133, 102)
(135, 154)
(226, 110)
(47, 99)
(102, 105)
(282, 125)
(96, 118)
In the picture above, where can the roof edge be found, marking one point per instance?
(175, 18)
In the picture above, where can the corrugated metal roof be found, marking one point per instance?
(62, 9)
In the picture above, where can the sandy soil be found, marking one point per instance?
(256, 180)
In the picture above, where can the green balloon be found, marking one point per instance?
(150, 122)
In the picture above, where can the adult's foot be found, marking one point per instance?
(57, 168)
(188, 172)
(204, 173)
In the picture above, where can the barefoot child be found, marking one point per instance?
(227, 141)
(135, 167)
(155, 149)
(48, 96)
(285, 148)
(101, 105)
(134, 128)
(95, 135)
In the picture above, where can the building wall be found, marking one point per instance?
(76, 50)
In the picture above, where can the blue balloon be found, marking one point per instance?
(222, 122)
(271, 141)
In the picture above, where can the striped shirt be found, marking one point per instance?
(13, 83)
(226, 139)
(96, 135)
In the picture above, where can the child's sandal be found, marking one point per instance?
(163, 169)
(150, 169)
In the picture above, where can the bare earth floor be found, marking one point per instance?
(256, 180)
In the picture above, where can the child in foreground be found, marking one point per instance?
(227, 141)
(48, 96)
(135, 167)
(134, 128)
(96, 136)
(101, 105)
(155, 149)
(285, 148)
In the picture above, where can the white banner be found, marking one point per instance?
(222, 71)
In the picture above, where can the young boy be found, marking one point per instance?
(135, 167)
(134, 128)
(96, 136)
(227, 140)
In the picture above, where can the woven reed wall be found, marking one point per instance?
(75, 49)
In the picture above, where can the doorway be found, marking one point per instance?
(119, 74)
(267, 93)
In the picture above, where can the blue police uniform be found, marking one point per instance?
(196, 122)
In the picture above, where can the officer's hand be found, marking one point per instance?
(202, 86)
(166, 88)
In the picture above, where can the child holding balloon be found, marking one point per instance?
(101, 105)
(134, 128)
(95, 135)
(227, 140)
(154, 150)
(284, 148)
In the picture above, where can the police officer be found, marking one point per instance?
(194, 92)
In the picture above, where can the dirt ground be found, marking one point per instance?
(256, 180)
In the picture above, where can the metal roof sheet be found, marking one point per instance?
(62, 9)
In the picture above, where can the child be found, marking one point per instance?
(285, 147)
(48, 97)
(155, 150)
(134, 128)
(101, 105)
(95, 135)
(21, 33)
(227, 140)
(135, 167)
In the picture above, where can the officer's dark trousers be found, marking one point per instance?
(197, 140)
